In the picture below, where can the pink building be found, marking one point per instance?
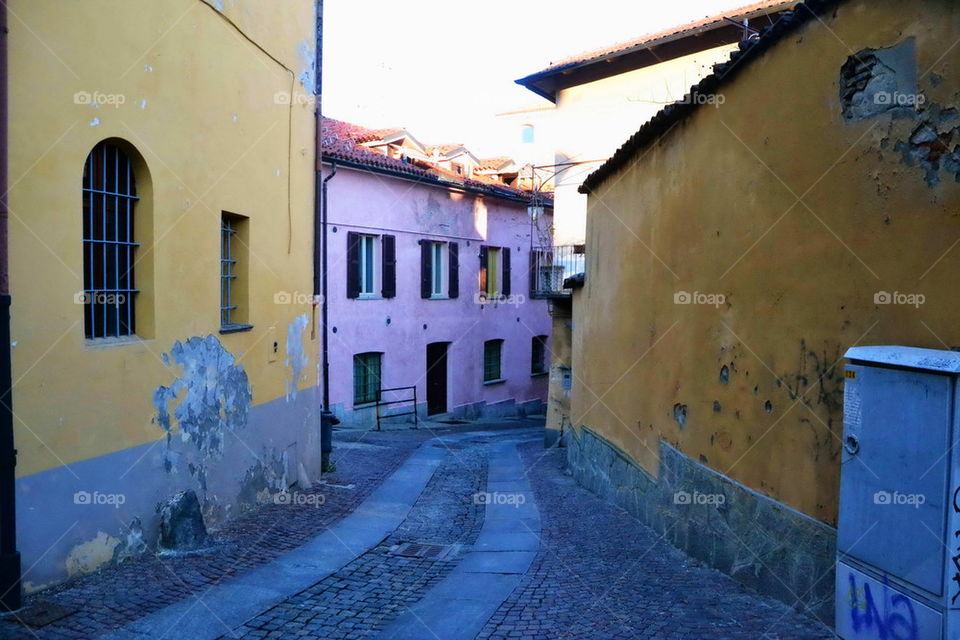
(429, 281)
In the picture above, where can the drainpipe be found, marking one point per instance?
(10, 591)
(327, 419)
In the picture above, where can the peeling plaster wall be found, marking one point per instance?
(560, 361)
(181, 406)
(216, 395)
(74, 536)
(296, 355)
(752, 387)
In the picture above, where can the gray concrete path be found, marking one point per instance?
(459, 606)
(222, 608)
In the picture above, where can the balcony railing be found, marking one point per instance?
(551, 266)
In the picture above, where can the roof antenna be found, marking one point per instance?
(748, 32)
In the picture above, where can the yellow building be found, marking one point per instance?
(745, 244)
(163, 333)
(591, 101)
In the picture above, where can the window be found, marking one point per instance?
(109, 250)
(368, 264)
(526, 133)
(492, 350)
(372, 266)
(494, 272)
(366, 377)
(233, 273)
(538, 355)
(439, 269)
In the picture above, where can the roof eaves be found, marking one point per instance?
(654, 40)
(431, 177)
(671, 115)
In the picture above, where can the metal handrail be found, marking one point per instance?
(382, 403)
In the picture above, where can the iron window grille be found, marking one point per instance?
(109, 249)
(538, 356)
(228, 271)
(492, 350)
(366, 377)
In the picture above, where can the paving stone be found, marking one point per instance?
(598, 573)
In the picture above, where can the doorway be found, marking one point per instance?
(437, 377)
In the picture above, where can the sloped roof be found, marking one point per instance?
(723, 74)
(541, 81)
(492, 164)
(444, 149)
(344, 141)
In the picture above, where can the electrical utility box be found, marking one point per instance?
(898, 537)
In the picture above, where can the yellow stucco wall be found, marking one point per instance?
(199, 91)
(713, 208)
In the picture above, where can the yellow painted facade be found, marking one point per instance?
(788, 221)
(199, 106)
(202, 92)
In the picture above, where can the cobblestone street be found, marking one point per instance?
(592, 571)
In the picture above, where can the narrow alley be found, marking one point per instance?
(475, 532)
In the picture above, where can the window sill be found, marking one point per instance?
(101, 343)
(487, 383)
(365, 405)
(235, 328)
(368, 296)
(435, 297)
(539, 374)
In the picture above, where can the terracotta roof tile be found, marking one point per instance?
(341, 140)
(492, 164)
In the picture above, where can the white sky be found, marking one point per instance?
(444, 68)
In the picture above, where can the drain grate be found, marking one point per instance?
(425, 551)
(448, 446)
(42, 613)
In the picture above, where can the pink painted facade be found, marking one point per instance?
(412, 209)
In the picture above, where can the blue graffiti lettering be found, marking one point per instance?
(897, 622)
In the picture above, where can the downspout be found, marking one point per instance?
(10, 590)
(327, 419)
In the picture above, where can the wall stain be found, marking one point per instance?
(680, 414)
(214, 394)
(296, 356)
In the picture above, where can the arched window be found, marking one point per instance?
(109, 250)
(526, 133)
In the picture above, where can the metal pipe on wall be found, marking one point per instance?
(10, 567)
(327, 419)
